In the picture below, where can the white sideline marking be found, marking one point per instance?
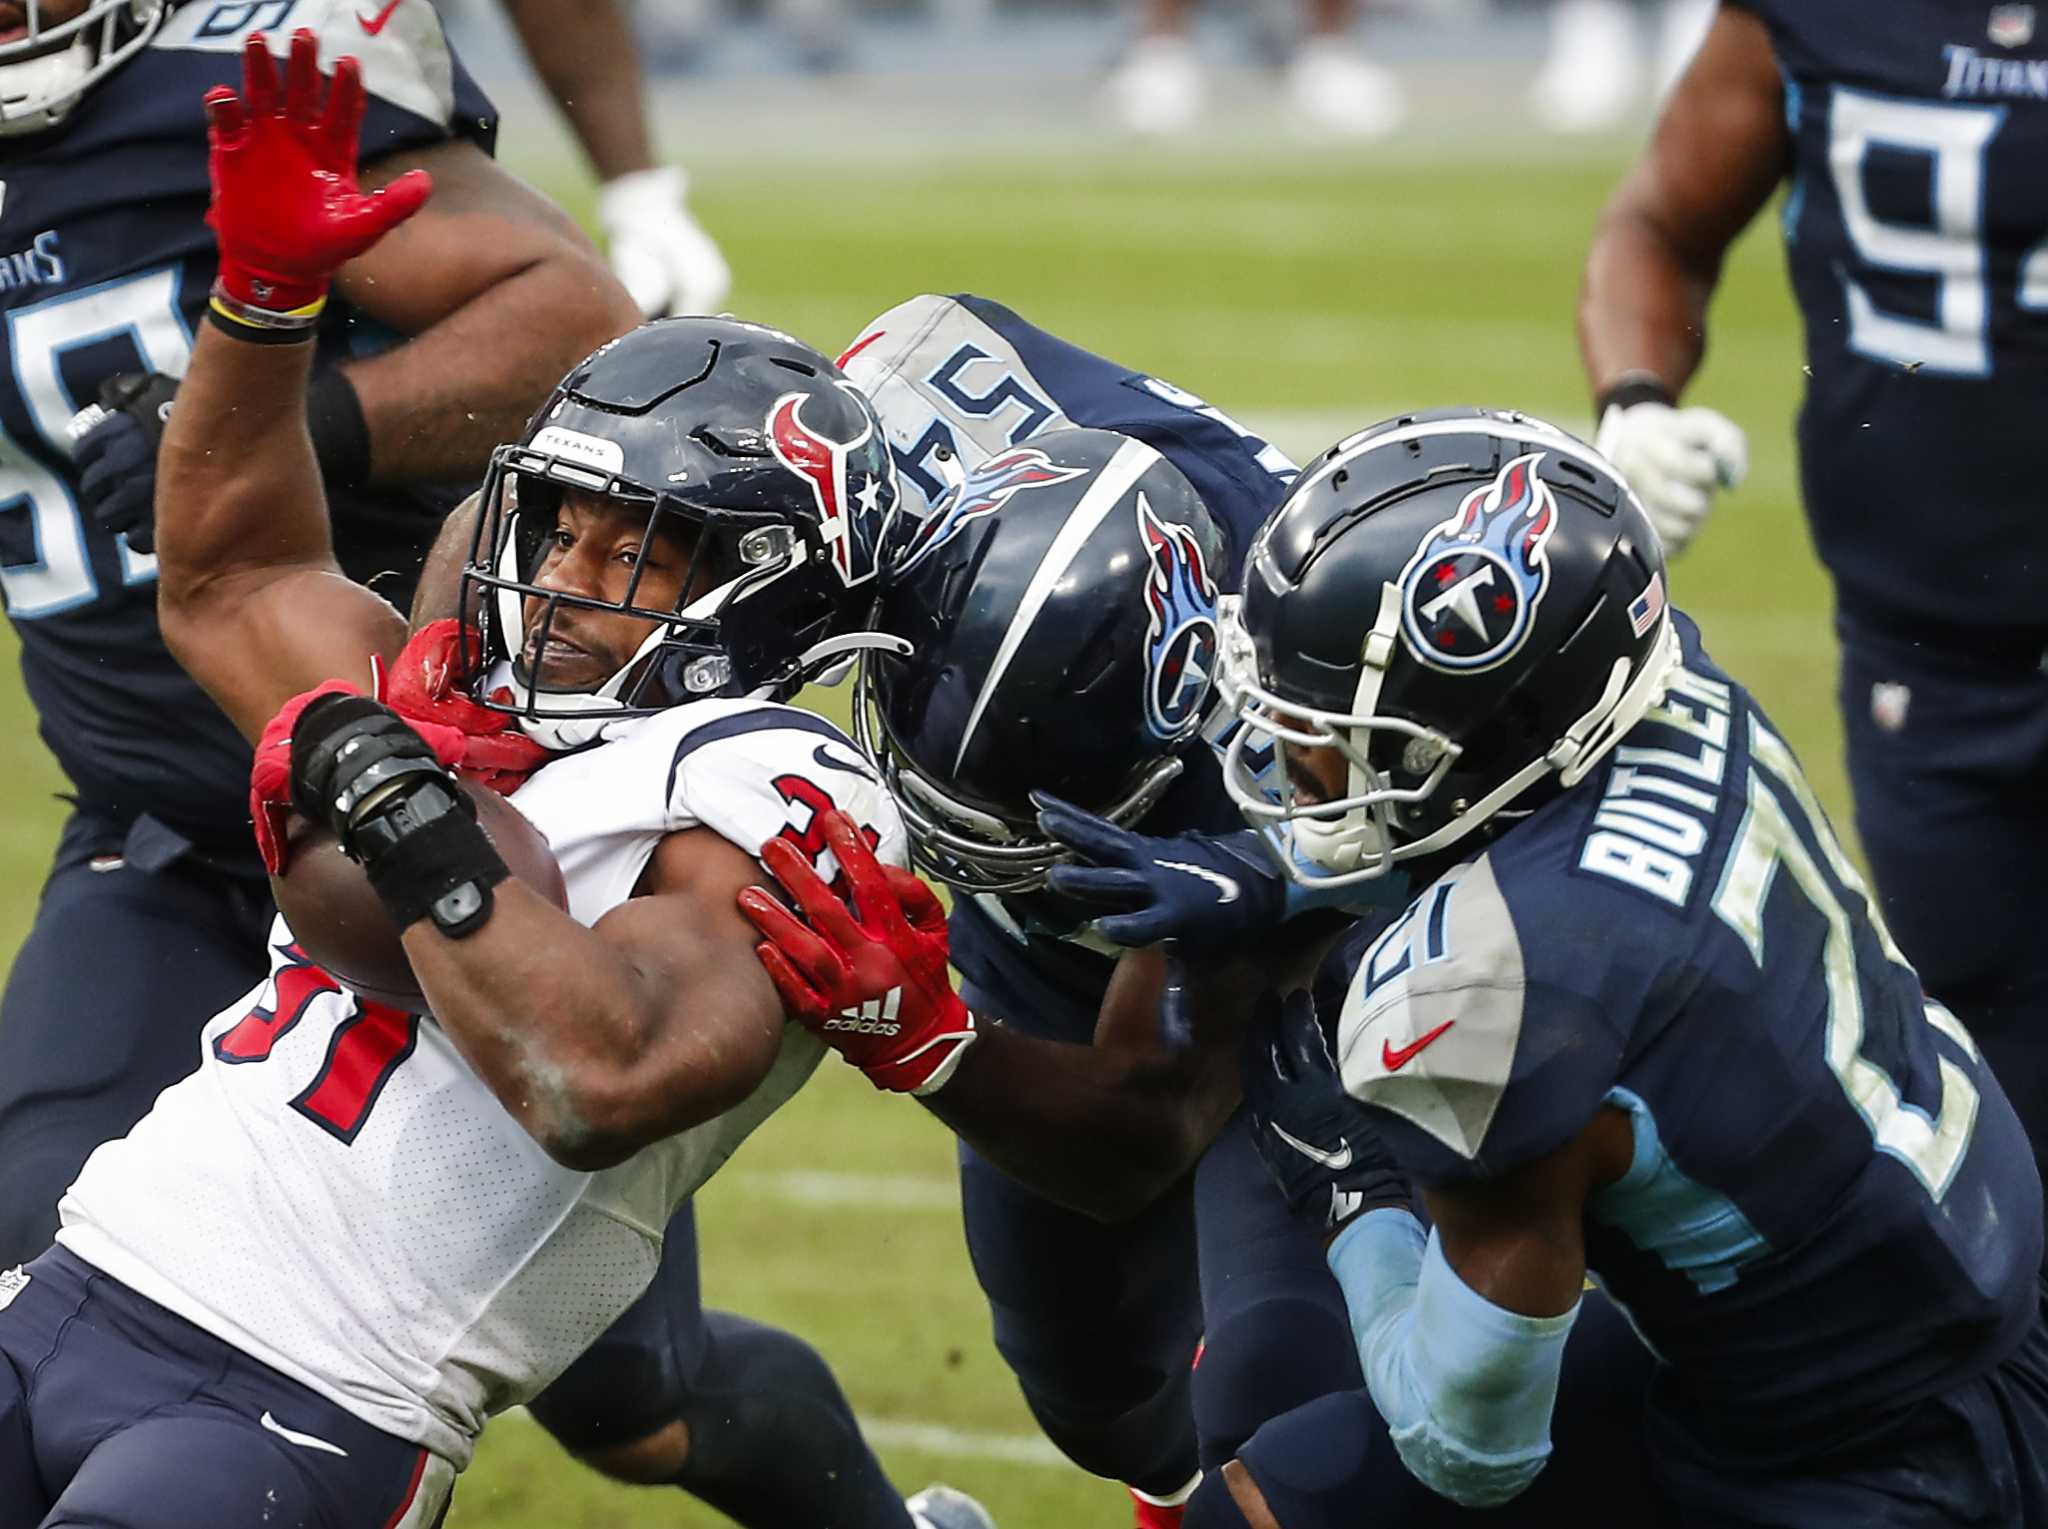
(936, 1439)
(887, 1191)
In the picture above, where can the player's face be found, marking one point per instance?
(14, 16)
(592, 552)
(1318, 775)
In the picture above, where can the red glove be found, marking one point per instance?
(875, 990)
(286, 210)
(270, 777)
(421, 685)
(477, 743)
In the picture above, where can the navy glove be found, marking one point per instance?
(116, 454)
(1213, 889)
(1316, 1140)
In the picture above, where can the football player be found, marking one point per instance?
(1641, 1018)
(587, 56)
(1058, 600)
(1080, 634)
(437, 345)
(297, 1289)
(1914, 231)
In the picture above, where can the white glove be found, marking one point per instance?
(663, 258)
(1674, 459)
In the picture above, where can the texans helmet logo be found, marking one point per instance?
(849, 480)
(984, 491)
(1180, 645)
(1470, 592)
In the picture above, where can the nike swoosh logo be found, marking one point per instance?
(1394, 1059)
(1216, 879)
(843, 766)
(303, 1440)
(1336, 1161)
(375, 24)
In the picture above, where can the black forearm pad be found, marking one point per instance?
(427, 858)
(1629, 389)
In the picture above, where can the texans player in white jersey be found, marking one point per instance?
(295, 1292)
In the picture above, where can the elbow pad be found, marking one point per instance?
(1466, 1388)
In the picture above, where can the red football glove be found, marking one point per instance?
(422, 686)
(286, 209)
(874, 989)
(477, 743)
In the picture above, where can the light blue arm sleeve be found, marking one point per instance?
(1466, 1387)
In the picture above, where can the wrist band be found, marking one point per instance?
(263, 326)
(341, 436)
(1632, 388)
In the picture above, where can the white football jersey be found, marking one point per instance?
(336, 1193)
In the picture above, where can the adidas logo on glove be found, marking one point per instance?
(875, 1017)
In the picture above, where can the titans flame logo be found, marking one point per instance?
(985, 490)
(1470, 592)
(1180, 644)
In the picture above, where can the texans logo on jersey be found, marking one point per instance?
(1180, 646)
(849, 479)
(1470, 592)
(984, 491)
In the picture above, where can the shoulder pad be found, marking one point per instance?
(754, 771)
(1441, 1029)
(400, 45)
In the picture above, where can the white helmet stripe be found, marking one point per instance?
(1131, 462)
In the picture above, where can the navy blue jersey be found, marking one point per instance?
(105, 266)
(968, 376)
(1832, 1209)
(1916, 230)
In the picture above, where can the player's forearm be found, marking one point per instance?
(1643, 303)
(585, 53)
(1101, 1131)
(237, 485)
(575, 1036)
(437, 405)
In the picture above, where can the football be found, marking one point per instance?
(341, 925)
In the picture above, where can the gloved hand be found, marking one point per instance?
(1316, 1140)
(1675, 460)
(1210, 889)
(872, 983)
(117, 440)
(659, 252)
(286, 209)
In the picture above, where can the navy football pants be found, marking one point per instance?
(1948, 761)
(103, 1009)
(116, 1414)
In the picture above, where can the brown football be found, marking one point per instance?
(341, 925)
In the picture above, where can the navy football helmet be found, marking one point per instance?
(1469, 606)
(756, 442)
(44, 71)
(1060, 606)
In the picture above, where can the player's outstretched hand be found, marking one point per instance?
(1315, 1138)
(1676, 460)
(871, 982)
(286, 207)
(1210, 889)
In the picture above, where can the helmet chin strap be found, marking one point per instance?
(56, 78)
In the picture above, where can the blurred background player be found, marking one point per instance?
(1914, 231)
(1331, 84)
(439, 342)
(1596, 69)
(588, 56)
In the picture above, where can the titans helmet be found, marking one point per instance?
(1059, 602)
(44, 71)
(751, 441)
(1469, 606)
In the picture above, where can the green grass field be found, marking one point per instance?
(1308, 294)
